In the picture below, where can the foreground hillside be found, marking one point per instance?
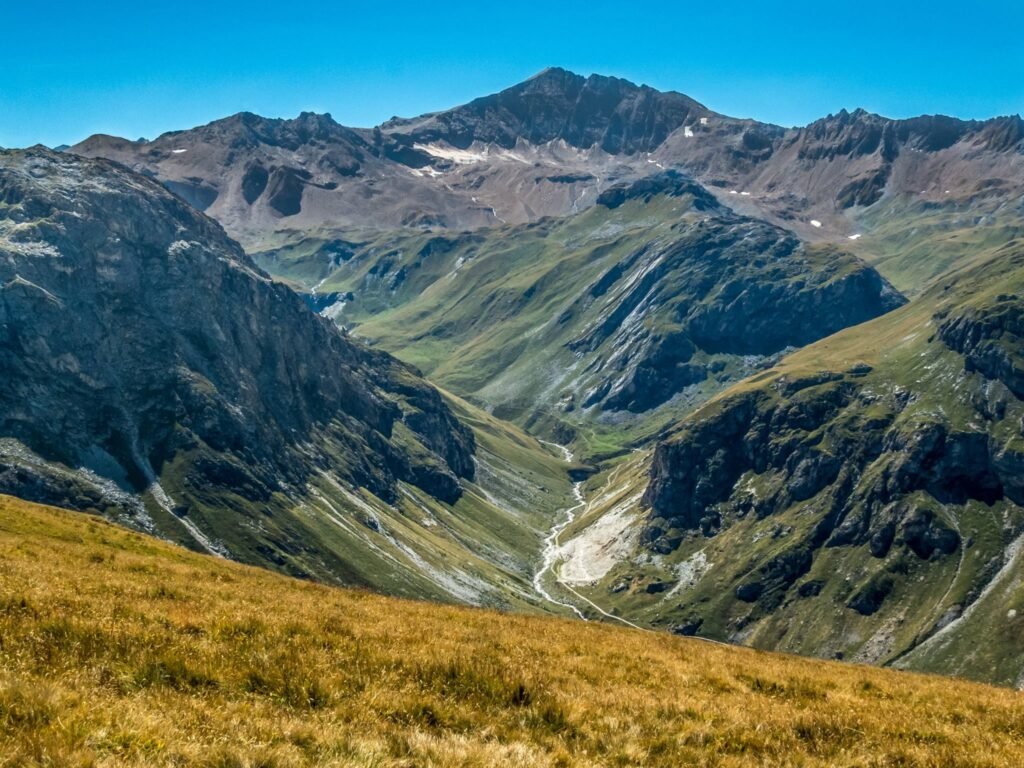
(118, 649)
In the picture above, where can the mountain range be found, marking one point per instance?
(579, 346)
(551, 145)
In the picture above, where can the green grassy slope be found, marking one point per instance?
(915, 243)
(602, 327)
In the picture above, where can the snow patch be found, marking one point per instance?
(513, 157)
(180, 248)
(457, 156)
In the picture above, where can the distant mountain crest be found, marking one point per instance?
(613, 114)
(551, 145)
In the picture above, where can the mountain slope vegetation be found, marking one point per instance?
(598, 262)
(120, 649)
(861, 500)
(155, 375)
(590, 323)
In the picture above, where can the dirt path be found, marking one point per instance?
(1013, 551)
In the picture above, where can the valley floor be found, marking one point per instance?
(118, 649)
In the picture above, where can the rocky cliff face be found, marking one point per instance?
(725, 287)
(137, 340)
(818, 440)
(887, 495)
(991, 339)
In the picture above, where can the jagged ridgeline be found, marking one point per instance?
(916, 193)
(863, 499)
(638, 307)
(154, 374)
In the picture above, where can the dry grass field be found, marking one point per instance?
(117, 649)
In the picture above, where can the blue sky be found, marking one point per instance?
(138, 69)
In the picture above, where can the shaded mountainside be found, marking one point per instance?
(163, 338)
(156, 375)
(658, 295)
(862, 500)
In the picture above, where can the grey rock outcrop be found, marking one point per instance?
(135, 336)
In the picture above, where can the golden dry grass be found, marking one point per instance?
(120, 650)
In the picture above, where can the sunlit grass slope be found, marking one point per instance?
(915, 244)
(117, 649)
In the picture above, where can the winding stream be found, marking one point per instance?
(550, 551)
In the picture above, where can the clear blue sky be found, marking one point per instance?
(140, 68)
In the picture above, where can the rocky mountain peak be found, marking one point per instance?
(551, 145)
(287, 133)
(614, 114)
